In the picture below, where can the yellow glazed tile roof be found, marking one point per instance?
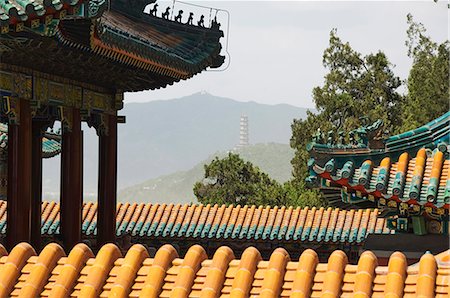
(421, 179)
(410, 169)
(109, 274)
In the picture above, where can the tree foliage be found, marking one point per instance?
(357, 85)
(360, 89)
(297, 194)
(357, 89)
(428, 82)
(232, 180)
(302, 133)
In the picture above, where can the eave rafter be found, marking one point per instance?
(89, 41)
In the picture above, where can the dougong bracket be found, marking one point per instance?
(11, 108)
(100, 123)
(118, 101)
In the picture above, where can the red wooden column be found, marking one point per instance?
(19, 178)
(36, 183)
(107, 183)
(71, 180)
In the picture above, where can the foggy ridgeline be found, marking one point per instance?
(176, 137)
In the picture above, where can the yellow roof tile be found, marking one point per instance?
(108, 274)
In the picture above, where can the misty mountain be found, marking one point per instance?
(273, 159)
(166, 136)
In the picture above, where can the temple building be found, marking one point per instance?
(405, 176)
(72, 61)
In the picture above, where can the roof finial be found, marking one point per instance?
(165, 15)
(154, 10)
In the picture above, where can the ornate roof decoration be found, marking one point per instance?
(169, 221)
(367, 142)
(136, 274)
(38, 15)
(112, 43)
(409, 176)
(421, 180)
(51, 142)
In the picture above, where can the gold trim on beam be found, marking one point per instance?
(30, 72)
(17, 84)
(6, 81)
(44, 91)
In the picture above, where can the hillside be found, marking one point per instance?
(166, 136)
(272, 158)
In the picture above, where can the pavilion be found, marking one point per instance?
(72, 61)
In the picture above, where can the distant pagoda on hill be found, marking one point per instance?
(243, 132)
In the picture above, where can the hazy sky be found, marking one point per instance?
(276, 47)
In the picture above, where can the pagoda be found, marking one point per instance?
(72, 61)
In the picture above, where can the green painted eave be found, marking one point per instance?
(435, 134)
(16, 11)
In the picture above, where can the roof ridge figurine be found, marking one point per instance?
(407, 177)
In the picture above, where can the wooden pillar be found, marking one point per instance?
(19, 178)
(71, 180)
(107, 183)
(36, 184)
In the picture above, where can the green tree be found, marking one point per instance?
(357, 85)
(232, 180)
(354, 86)
(302, 133)
(297, 194)
(428, 81)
